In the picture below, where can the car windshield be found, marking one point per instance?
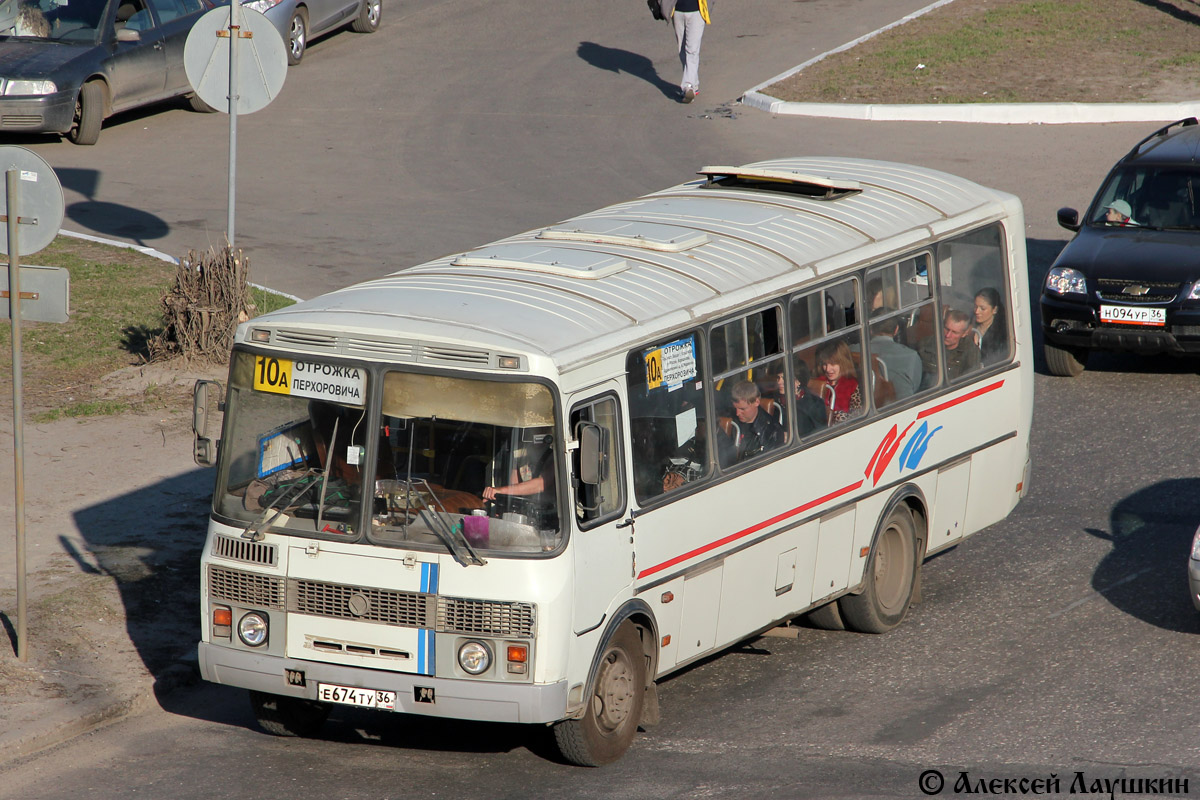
(301, 454)
(1163, 197)
(55, 20)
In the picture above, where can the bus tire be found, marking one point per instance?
(889, 579)
(288, 716)
(1066, 362)
(614, 708)
(827, 617)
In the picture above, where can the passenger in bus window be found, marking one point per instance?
(989, 329)
(904, 367)
(752, 432)
(962, 354)
(839, 381)
(810, 411)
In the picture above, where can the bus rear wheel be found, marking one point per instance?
(614, 708)
(288, 716)
(890, 578)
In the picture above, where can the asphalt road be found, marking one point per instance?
(1057, 642)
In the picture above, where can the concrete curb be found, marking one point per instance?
(989, 113)
(149, 251)
(175, 676)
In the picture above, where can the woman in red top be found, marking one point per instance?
(839, 381)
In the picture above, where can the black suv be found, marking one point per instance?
(1130, 279)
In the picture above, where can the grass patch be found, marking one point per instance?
(1017, 51)
(115, 307)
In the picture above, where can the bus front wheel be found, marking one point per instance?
(288, 716)
(889, 580)
(614, 709)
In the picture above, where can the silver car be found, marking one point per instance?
(298, 21)
(1194, 570)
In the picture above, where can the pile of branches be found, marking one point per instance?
(202, 311)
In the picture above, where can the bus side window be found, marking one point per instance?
(605, 498)
(667, 416)
(971, 287)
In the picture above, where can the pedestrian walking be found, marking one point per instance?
(689, 18)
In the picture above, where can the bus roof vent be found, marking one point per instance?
(779, 180)
(625, 233)
(562, 261)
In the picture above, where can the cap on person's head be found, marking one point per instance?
(1121, 207)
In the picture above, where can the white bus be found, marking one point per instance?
(523, 483)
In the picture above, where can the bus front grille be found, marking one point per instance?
(367, 604)
(245, 588)
(406, 609)
(461, 615)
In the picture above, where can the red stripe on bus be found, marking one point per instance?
(929, 412)
(747, 531)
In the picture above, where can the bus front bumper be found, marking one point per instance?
(450, 698)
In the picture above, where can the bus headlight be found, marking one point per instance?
(1064, 280)
(474, 658)
(252, 629)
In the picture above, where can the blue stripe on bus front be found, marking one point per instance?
(426, 661)
(429, 578)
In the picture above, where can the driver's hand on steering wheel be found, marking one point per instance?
(490, 492)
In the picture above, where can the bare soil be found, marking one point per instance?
(1018, 51)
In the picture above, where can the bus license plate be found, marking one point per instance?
(1133, 315)
(351, 696)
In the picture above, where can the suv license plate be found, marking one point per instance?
(351, 696)
(1133, 315)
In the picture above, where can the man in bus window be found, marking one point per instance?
(904, 367)
(752, 431)
(962, 354)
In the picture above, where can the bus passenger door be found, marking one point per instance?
(603, 547)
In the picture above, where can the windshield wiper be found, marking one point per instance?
(286, 498)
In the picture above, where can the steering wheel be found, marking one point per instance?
(511, 503)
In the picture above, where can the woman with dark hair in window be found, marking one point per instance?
(989, 329)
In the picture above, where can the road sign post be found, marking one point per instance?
(235, 60)
(32, 218)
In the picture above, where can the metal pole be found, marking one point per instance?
(14, 307)
(235, 30)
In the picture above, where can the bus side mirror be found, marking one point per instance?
(204, 450)
(593, 454)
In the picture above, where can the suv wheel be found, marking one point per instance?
(1065, 361)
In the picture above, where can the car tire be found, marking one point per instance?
(297, 39)
(89, 114)
(198, 105)
(890, 578)
(368, 17)
(288, 716)
(614, 707)
(1066, 362)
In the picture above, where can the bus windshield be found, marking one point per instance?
(449, 463)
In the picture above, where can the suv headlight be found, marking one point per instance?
(1194, 292)
(1064, 280)
(19, 87)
